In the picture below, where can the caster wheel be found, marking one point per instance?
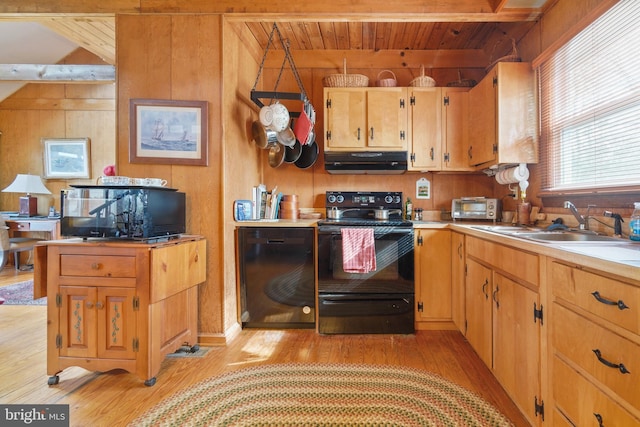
(150, 382)
(53, 380)
(195, 348)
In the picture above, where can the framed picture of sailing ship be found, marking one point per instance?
(168, 132)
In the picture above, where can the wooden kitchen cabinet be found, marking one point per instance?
(478, 305)
(425, 118)
(504, 319)
(365, 119)
(458, 280)
(433, 278)
(119, 305)
(438, 119)
(595, 346)
(455, 129)
(502, 117)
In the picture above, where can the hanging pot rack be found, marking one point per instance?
(257, 96)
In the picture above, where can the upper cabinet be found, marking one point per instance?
(364, 119)
(426, 132)
(503, 117)
(439, 130)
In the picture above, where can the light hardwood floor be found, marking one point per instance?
(116, 397)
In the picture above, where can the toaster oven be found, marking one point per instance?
(122, 212)
(475, 208)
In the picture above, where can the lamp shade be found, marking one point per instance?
(30, 184)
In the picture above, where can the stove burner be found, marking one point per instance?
(359, 222)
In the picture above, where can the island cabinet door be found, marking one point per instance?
(116, 310)
(97, 322)
(77, 337)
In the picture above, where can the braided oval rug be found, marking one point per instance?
(315, 394)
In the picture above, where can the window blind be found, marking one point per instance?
(590, 106)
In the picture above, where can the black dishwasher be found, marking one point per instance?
(277, 271)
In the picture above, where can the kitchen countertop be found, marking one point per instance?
(621, 258)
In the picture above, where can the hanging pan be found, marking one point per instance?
(308, 157)
(276, 155)
(261, 136)
(293, 153)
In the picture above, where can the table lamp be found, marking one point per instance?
(30, 184)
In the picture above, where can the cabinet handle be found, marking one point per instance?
(621, 305)
(358, 134)
(469, 152)
(95, 266)
(372, 133)
(460, 250)
(432, 154)
(99, 305)
(599, 418)
(494, 297)
(89, 305)
(484, 288)
(605, 362)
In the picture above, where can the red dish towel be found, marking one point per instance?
(358, 250)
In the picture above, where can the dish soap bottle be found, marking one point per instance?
(634, 224)
(408, 210)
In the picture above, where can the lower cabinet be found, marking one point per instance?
(433, 278)
(457, 279)
(595, 346)
(119, 305)
(503, 319)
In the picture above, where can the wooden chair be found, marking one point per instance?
(13, 245)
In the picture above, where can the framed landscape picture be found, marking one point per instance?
(168, 131)
(66, 158)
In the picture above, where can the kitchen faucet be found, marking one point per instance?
(583, 221)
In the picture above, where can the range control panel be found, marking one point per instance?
(364, 199)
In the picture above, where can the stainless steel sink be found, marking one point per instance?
(541, 235)
(505, 229)
(566, 236)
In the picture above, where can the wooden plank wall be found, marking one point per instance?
(55, 111)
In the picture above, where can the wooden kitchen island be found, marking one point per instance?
(119, 304)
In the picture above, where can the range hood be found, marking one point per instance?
(366, 162)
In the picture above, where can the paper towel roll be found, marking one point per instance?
(513, 175)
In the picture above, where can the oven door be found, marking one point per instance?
(394, 261)
(366, 313)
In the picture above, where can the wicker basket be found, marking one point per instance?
(422, 80)
(512, 57)
(346, 80)
(386, 82)
(462, 82)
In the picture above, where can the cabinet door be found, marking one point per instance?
(482, 121)
(425, 114)
(516, 338)
(478, 309)
(345, 118)
(116, 328)
(387, 118)
(455, 129)
(433, 255)
(78, 321)
(516, 128)
(457, 279)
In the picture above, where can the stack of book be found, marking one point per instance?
(266, 204)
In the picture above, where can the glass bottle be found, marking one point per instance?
(634, 224)
(408, 209)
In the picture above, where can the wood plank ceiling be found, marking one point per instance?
(490, 32)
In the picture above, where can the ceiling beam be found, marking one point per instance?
(333, 59)
(42, 73)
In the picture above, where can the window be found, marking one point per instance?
(590, 106)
